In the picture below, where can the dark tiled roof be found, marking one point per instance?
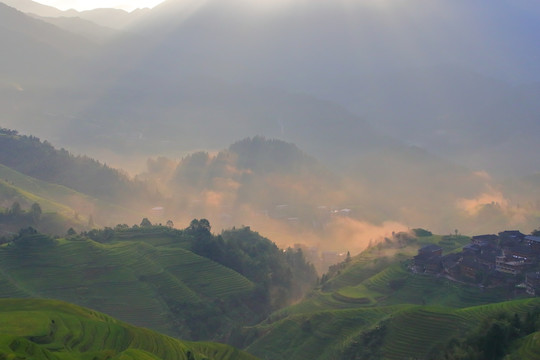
(512, 234)
(531, 238)
(472, 247)
(490, 237)
(521, 249)
(430, 248)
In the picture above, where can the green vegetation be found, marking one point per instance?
(148, 276)
(373, 307)
(54, 330)
(498, 336)
(387, 332)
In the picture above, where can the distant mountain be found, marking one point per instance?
(88, 29)
(105, 17)
(192, 113)
(113, 18)
(340, 44)
(477, 121)
(335, 80)
(36, 51)
(272, 182)
(402, 68)
(32, 7)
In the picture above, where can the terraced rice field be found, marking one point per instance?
(133, 280)
(530, 347)
(317, 335)
(381, 281)
(414, 332)
(45, 329)
(416, 327)
(478, 313)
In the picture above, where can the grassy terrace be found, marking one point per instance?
(413, 331)
(318, 335)
(46, 329)
(530, 347)
(51, 197)
(421, 313)
(133, 280)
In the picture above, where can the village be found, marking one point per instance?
(509, 258)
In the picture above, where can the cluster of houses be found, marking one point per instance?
(490, 260)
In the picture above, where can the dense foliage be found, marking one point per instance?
(280, 275)
(367, 346)
(494, 338)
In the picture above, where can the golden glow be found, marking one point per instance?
(82, 5)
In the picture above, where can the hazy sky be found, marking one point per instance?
(81, 5)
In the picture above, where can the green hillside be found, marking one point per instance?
(186, 283)
(54, 330)
(374, 307)
(387, 332)
(39, 159)
(165, 289)
(73, 207)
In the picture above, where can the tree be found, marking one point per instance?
(146, 223)
(35, 211)
(169, 223)
(15, 209)
(205, 224)
(200, 225)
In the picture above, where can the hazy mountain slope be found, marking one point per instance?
(401, 68)
(38, 60)
(348, 39)
(78, 185)
(106, 17)
(113, 18)
(33, 49)
(47, 329)
(478, 121)
(404, 71)
(162, 113)
(272, 182)
(30, 156)
(32, 7)
(73, 208)
(88, 29)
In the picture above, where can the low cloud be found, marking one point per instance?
(354, 235)
(472, 206)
